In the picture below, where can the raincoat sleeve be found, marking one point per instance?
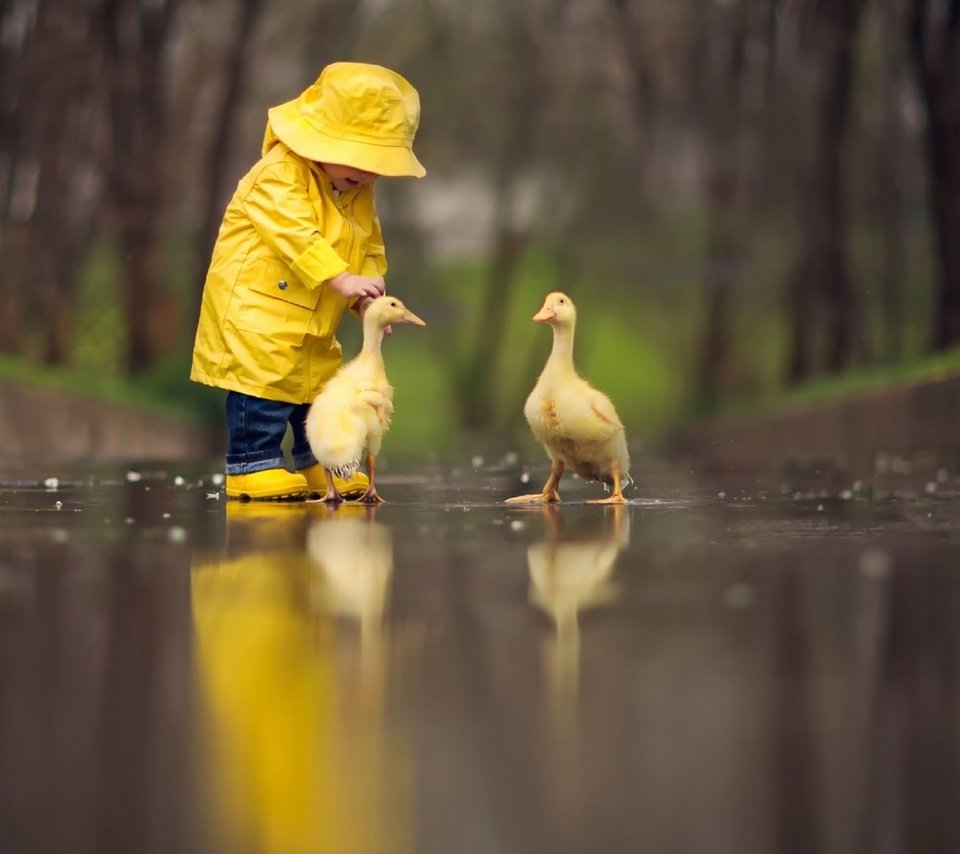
(375, 260)
(286, 220)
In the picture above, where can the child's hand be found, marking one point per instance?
(349, 285)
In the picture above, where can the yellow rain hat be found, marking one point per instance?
(356, 114)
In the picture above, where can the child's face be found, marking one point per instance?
(347, 177)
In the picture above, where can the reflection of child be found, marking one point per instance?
(300, 242)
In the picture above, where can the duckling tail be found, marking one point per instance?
(347, 470)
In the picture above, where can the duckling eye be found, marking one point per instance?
(393, 303)
(560, 301)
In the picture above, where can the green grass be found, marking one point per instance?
(849, 384)
(157, 392)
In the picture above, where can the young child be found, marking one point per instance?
(300, 243)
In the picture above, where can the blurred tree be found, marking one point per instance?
(521, 97)
(15, 24)
(215, 171)
(934, 38)
(335, 27)
(889, 191)
(45, 151)
(821, 291)
(639, 59)
(724, 113)
(134, 37)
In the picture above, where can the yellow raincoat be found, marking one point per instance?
(267, 324)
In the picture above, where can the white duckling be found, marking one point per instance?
(352, 413)
(577, 424)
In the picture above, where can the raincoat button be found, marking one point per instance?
(282, 284)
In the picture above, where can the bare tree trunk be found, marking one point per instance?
(801, 358)
(135, 37)
(44, 147)
(17, 173)
(478, 375)
(823, 275)
(642, 75)
(889, 198)
(225, 112)
(725, 116)
(934, 32)
(479, 378)
(12, 49)
(62, 132)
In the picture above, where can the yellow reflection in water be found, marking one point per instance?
(295, 756)
(353, 563)
(569, 573)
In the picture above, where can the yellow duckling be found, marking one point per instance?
(570, 574)
(352, 413)
(353, 562)
(576, 424)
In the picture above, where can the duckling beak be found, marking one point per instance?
(410, 317)
(545, 315)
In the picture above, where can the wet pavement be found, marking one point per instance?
(733, 663)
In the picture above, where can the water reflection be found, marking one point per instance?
(570, 572)
(296, 758)
(352, 559)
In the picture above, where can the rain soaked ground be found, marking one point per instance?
(735, 663)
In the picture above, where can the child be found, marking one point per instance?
(300, 242)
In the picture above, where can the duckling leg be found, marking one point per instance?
(616, 497)
(332, 495)
(371, 496)
(550, 492)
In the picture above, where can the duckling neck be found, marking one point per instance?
(372, 340)
(561, 356)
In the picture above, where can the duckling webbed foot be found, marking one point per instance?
(616, 497)
(550, 493)
(551, 497)
(370, 496)
(332, 495)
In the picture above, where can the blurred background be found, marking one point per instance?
(748, 200)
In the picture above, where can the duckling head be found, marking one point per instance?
(557, 310)
(388, 309)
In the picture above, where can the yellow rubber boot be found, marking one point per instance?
(317, 484)
(267, 484)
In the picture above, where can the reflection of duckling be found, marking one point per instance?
(352, 413)
(354, 557)
(568, 576)
(576, 424)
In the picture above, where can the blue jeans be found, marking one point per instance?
(256, 428)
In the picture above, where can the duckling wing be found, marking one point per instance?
(377, 399)
(587, 414)
(603, 408)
